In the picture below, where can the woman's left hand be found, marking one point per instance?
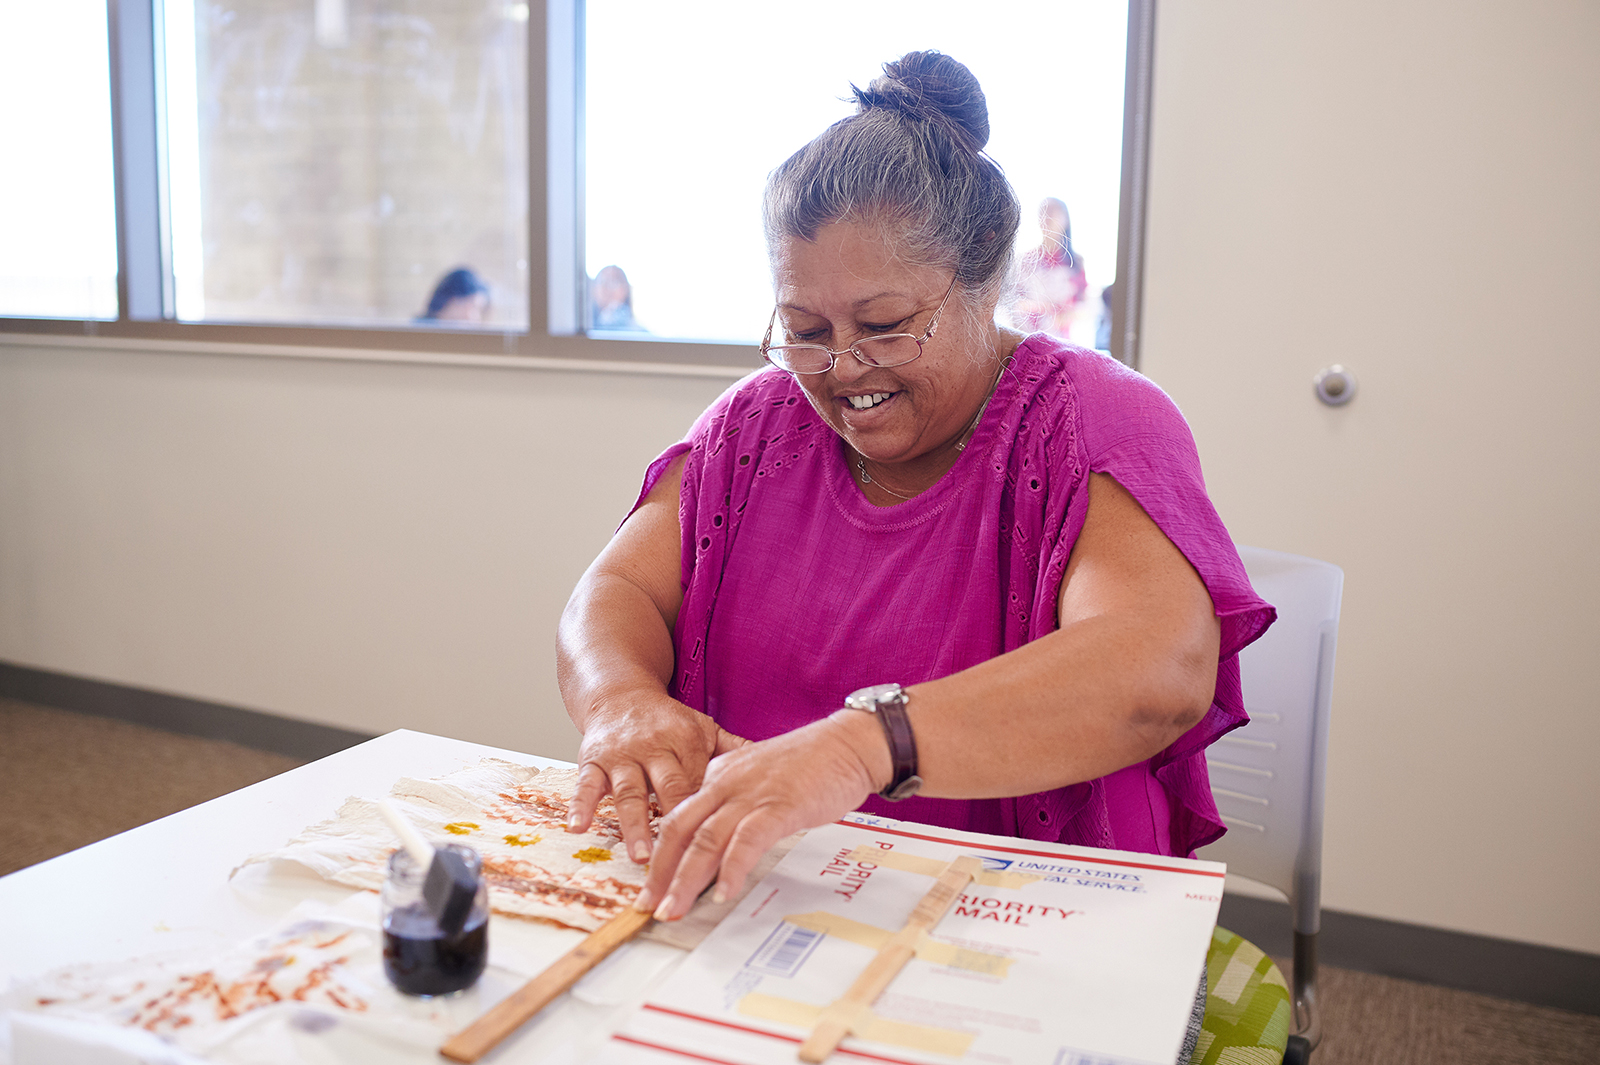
(754, 796)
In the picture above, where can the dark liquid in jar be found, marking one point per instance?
(420, 960)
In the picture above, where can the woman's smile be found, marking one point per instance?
(870, 401)
(854, 282)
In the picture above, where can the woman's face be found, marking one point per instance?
(473, 308)
(852, 282)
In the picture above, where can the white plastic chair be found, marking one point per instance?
(1267, 777)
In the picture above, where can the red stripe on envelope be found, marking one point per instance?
(1021, 850)
(752, 1031)
(619, 1037)
(719, 1023)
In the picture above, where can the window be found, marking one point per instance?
(58, 233)
(678, 152)
(344, 158)
(308, 171)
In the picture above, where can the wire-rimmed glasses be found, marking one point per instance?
(890, 349)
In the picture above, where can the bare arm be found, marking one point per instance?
(614, 660)
(1130, 669)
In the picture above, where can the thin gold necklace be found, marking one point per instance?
(866, 478)
(961, 444)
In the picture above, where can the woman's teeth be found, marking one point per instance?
(868, 402)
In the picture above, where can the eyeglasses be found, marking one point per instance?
(890, 349)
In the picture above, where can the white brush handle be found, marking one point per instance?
(421, 852)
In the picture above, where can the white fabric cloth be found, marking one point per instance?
(310, 990)
(513, 815)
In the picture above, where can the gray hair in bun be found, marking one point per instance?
(911, 156)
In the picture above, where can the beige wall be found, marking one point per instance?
(369, 545)
(1407, 189)
(1410, 190)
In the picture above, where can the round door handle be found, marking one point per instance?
(1336, 386)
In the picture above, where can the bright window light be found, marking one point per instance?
(58, 219)
(689, 108)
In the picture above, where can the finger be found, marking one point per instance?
(753, 837)
(593, 784)
(698, 865)
(630, 793)
(673, 783)
(727, 741)
(677, 830)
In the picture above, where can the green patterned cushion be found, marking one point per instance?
(1247, 1006)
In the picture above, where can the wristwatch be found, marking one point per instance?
(888, 702)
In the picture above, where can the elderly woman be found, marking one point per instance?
(920, 566)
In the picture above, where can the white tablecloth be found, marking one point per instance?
(164, 889)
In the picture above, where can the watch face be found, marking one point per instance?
(869, 697)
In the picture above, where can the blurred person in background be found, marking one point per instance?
(1050, 278)
(460, 296)
(611, 301)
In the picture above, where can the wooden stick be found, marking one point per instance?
(485, 1033)
(852, 1008)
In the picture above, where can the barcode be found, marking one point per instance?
(785, 950)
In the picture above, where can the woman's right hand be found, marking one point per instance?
(633, 747)
(614, 660)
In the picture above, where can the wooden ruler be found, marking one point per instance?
(485, 1033)
(853, 1007)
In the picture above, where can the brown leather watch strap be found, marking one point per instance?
(902, 748)
(888, 702)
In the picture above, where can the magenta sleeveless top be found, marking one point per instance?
(797, 591)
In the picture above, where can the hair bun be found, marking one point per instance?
(931, 87)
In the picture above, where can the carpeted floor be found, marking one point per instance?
(67, 780)
(1378, 1020)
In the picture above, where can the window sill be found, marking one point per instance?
(619, 364)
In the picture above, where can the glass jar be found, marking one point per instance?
(418, 957)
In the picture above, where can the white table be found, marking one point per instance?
(165, 886)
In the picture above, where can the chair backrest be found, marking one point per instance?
(1267, 777)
